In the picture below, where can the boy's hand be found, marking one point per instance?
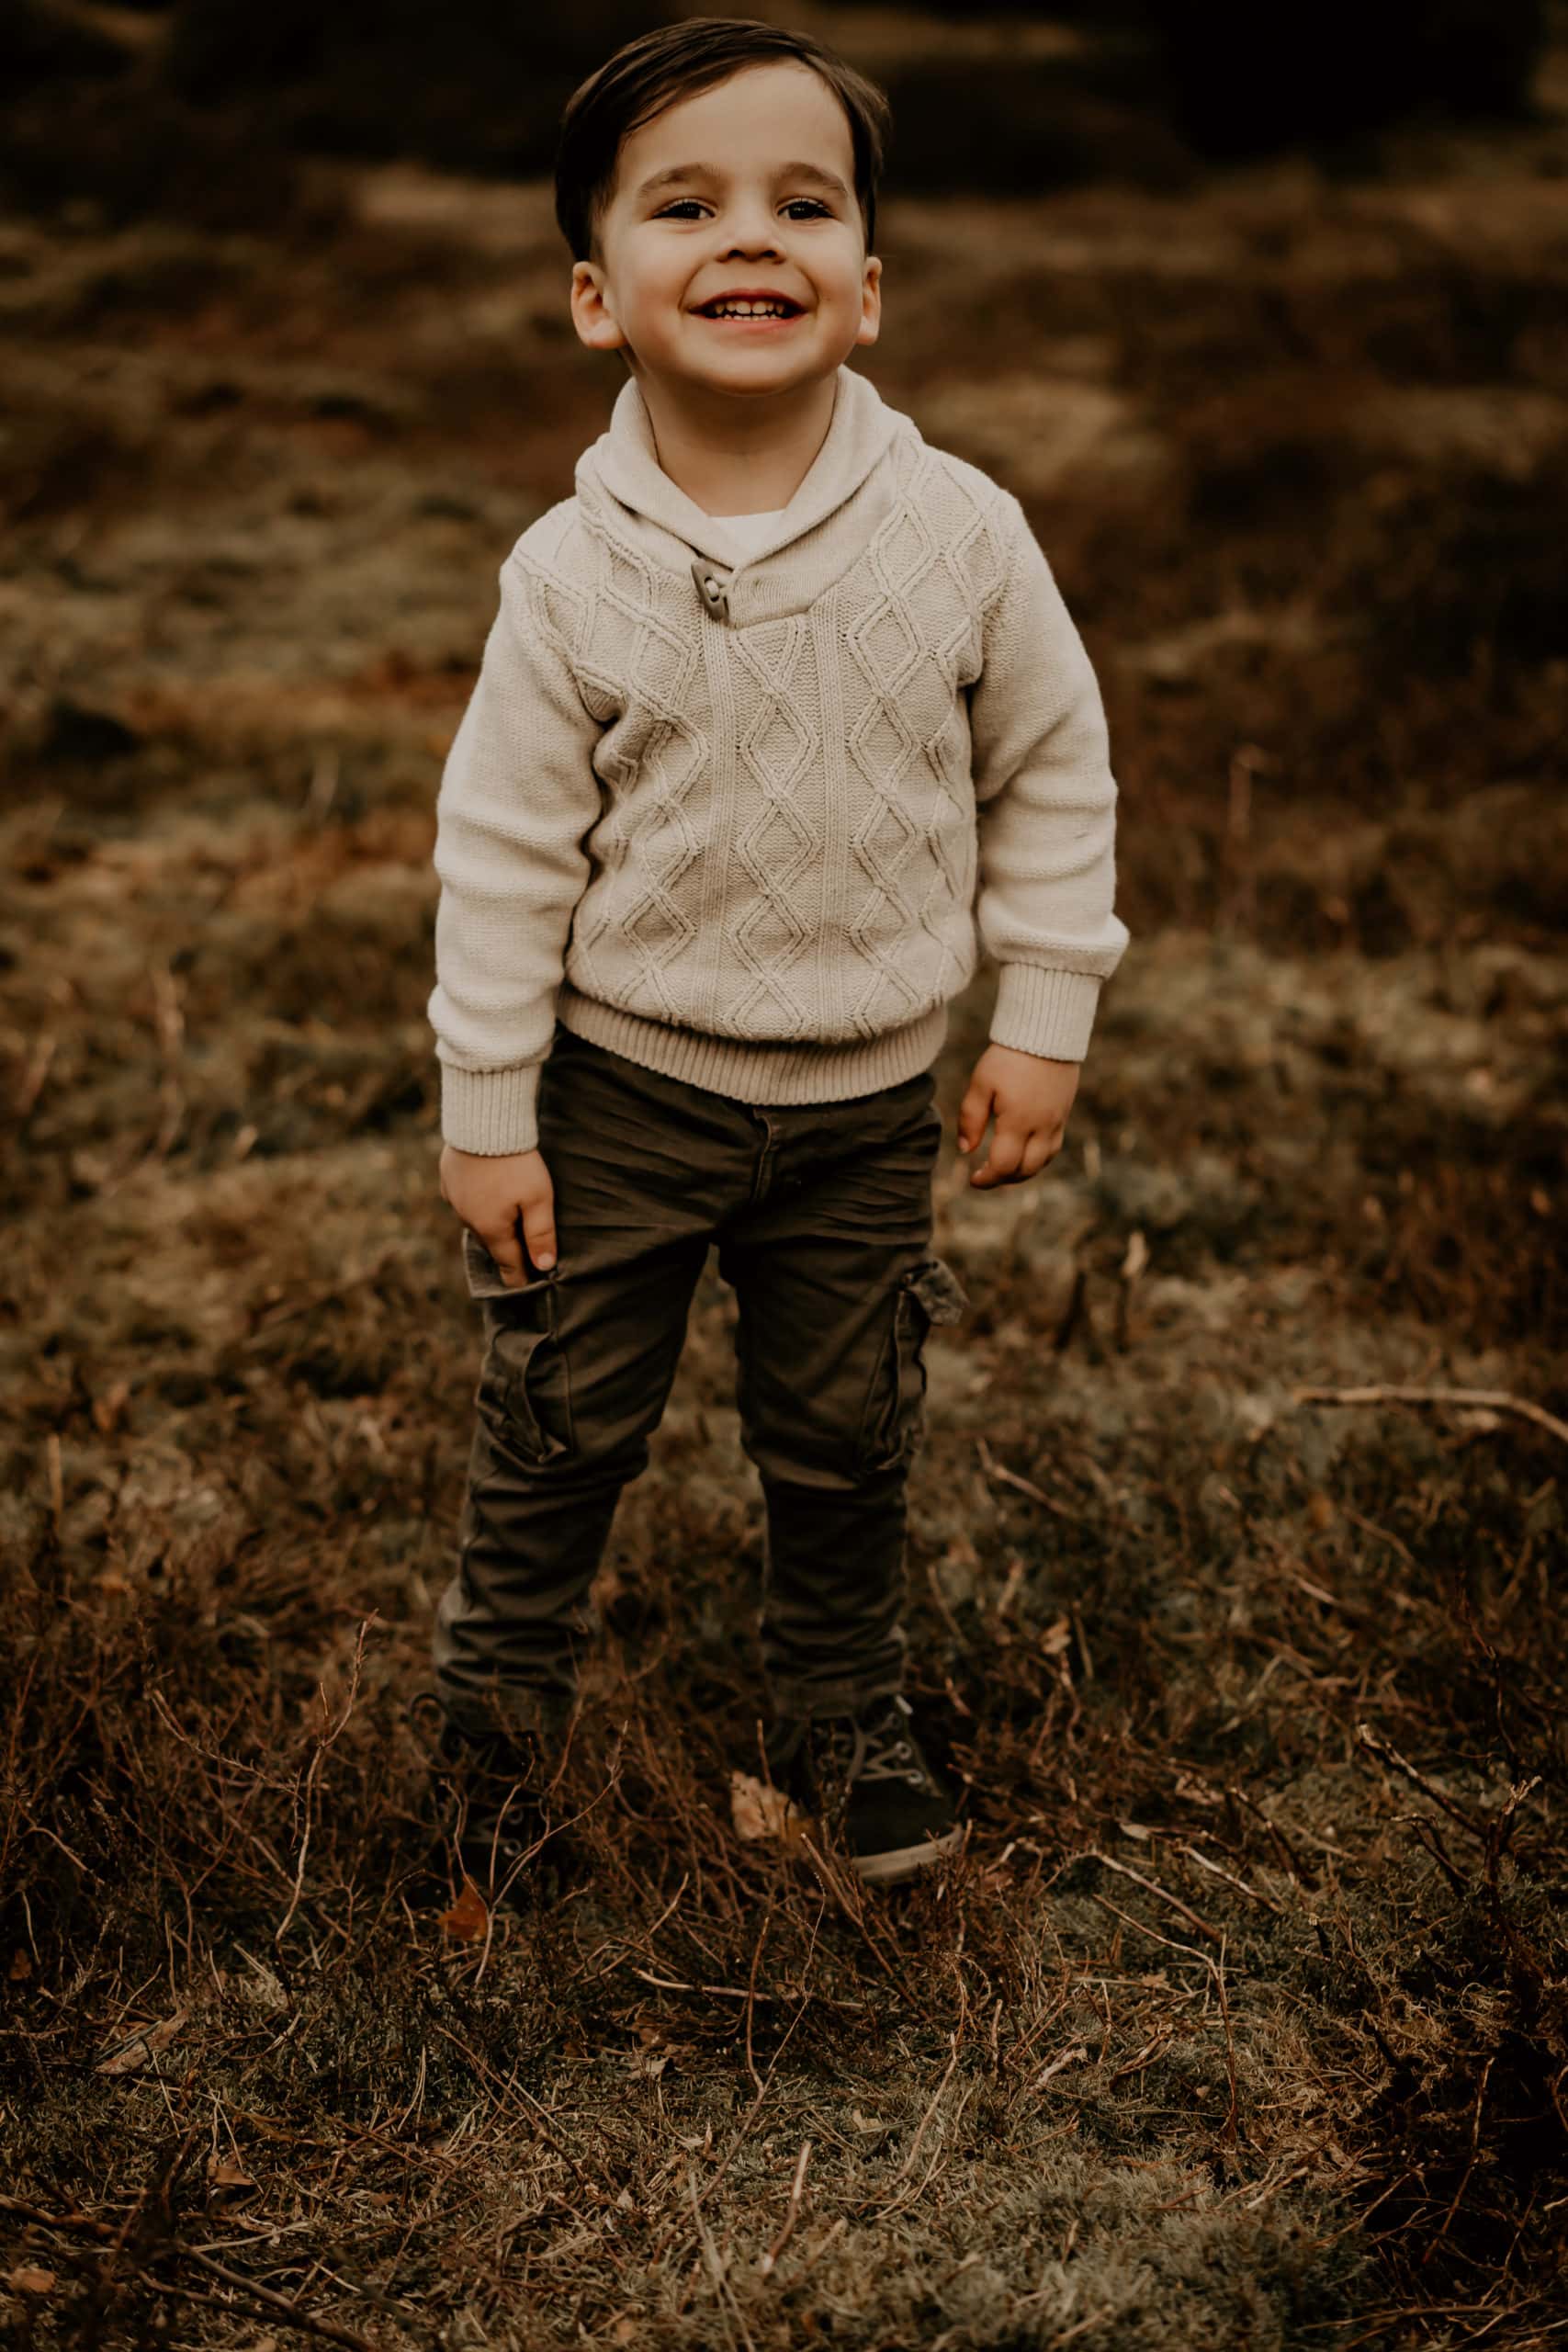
(490, 1193)
(1031, 1098)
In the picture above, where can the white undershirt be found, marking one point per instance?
(752, 529)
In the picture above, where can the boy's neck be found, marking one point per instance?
(736, 455)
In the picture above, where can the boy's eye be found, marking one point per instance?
(687, 208)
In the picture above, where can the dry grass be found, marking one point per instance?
(1241, 2020)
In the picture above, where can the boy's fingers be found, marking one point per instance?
(539, 1233)
(540, 1228)
(1002, 1159)
(1042, 1145)
(973, 1114)
(504, 1247)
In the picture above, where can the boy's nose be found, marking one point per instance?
(753, 238)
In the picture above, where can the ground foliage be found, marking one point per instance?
(1241, 2019)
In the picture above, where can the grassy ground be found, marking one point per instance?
(1241, 2022)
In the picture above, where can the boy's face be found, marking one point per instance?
(747, 188)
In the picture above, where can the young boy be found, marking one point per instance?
(781, 719)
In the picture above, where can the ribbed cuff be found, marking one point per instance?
(492, 1112)
(1045, 1011)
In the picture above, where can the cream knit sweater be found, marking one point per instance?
(747, 818)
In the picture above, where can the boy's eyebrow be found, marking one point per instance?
(677, 174)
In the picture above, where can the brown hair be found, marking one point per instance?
(651, 73)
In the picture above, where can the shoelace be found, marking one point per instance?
(880, 1750)
(497, 1756)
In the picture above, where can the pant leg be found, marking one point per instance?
(577, 1368)
(837, 1288)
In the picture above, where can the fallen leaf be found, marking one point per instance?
(1057, 1638)
(468, 1919)
(223, 2173)
(757, 1811)
(21, 1966)
(25, 2280)
(868, 2122)
(146, 2043)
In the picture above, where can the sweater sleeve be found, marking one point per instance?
(518, 794)
(1046, 804)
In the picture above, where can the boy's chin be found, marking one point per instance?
(744, 376)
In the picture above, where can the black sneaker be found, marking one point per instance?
(491, 1796)
(863, 1776)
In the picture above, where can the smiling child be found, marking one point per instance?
(782, 722)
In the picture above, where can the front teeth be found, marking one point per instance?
(751, 311)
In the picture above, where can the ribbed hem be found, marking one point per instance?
(492, 1112)
(1045, 1011)
(781, 1074)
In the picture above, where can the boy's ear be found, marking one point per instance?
(871, 301)
(590, 317)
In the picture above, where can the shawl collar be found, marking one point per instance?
(622, 467)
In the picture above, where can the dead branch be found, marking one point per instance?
(1495, 1400)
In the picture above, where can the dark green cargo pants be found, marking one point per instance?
(822, 1217)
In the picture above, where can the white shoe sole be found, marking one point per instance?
(900, 1862)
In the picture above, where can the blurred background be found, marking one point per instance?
(1263, 313)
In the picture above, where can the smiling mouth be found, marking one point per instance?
(734, 307)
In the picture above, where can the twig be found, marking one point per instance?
(1282, 1847)
(995, 1469)
(313, 1772)
(1469, 2168)
(273, 2301)
(1490, 1400)
(173, 2251)
(1152, 1886)
(1141, 1928)
(1231, 1879)
(716, 2266)
(751, 1992)
(720, 1992)
(1391, 1755)
(491, 2077)
(1228, 2129)
(925, 2120)
(765, 2262)
(41, 2220)
(750, 2115)
(276, 2307)
(912, 2197)
(1079, 2326)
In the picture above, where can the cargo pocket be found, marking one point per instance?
(930, 1293)
(524, 1386)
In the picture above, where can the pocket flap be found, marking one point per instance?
(940, 1292)
(484, 1277)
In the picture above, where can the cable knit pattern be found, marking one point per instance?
(756, 834)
